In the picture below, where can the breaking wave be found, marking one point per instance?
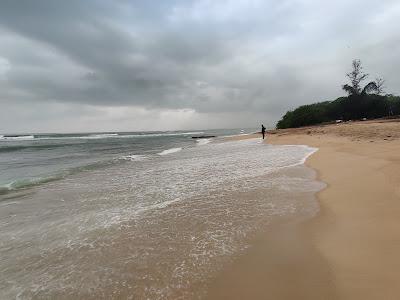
(133, 157)
(16, 137)
(93, 136)
(201, 142)
(26, 183)
(169, 151)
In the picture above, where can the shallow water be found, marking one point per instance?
(151, 227)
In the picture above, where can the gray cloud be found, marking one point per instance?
(240, 60)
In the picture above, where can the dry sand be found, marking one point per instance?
(351, 249)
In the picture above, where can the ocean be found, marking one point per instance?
(139, 215)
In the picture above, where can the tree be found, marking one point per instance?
(356, 77)
(380, 87)
(357, 103)
(369, 101)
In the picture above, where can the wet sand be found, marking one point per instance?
(350, 250)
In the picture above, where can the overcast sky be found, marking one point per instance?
(166, 65)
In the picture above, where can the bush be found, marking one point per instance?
(344, 108)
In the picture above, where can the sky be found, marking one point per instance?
(80, 66)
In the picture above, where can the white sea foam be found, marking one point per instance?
(17, 138)
(133, 157)
(160, 205)
(193, 132)
(169, 151)
(160, 134)
(310, 152)
(201, 142)
(102, 135)
(193, 211)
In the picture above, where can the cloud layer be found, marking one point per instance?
(136, 65)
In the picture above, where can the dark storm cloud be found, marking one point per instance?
(208, 56)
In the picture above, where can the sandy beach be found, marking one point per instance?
(350, 250)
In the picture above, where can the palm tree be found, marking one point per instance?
(357, 104)
(356, 76)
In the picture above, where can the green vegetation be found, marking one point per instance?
(361, 102)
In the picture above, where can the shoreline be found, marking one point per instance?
(263, 272)
(352, 243)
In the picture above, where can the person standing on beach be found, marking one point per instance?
(263, 130)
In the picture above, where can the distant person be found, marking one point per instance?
(263, 130)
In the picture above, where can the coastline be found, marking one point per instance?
(166, 239)
(349, 250)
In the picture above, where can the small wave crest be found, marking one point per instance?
(16, 137)
(94, 136)
(169, 151)
(164, 134)
(20, 147)
(192, 132)
(101, 136)
(27, 183)
(133, 157)
(201, 142)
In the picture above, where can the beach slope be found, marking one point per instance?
(350, 250)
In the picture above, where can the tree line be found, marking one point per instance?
(362, 101)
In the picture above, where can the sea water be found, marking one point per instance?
(137, 215)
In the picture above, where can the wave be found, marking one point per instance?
(306, 156)
(16, 137)
(33, 147)
(193, 132)
(39, 137)
(160, 134)
(102, 135)
(133, 157)
(169, 151)
(201, 142)
(27, 183)
(94, 136)
(164, 204)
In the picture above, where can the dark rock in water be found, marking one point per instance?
(203, 137)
